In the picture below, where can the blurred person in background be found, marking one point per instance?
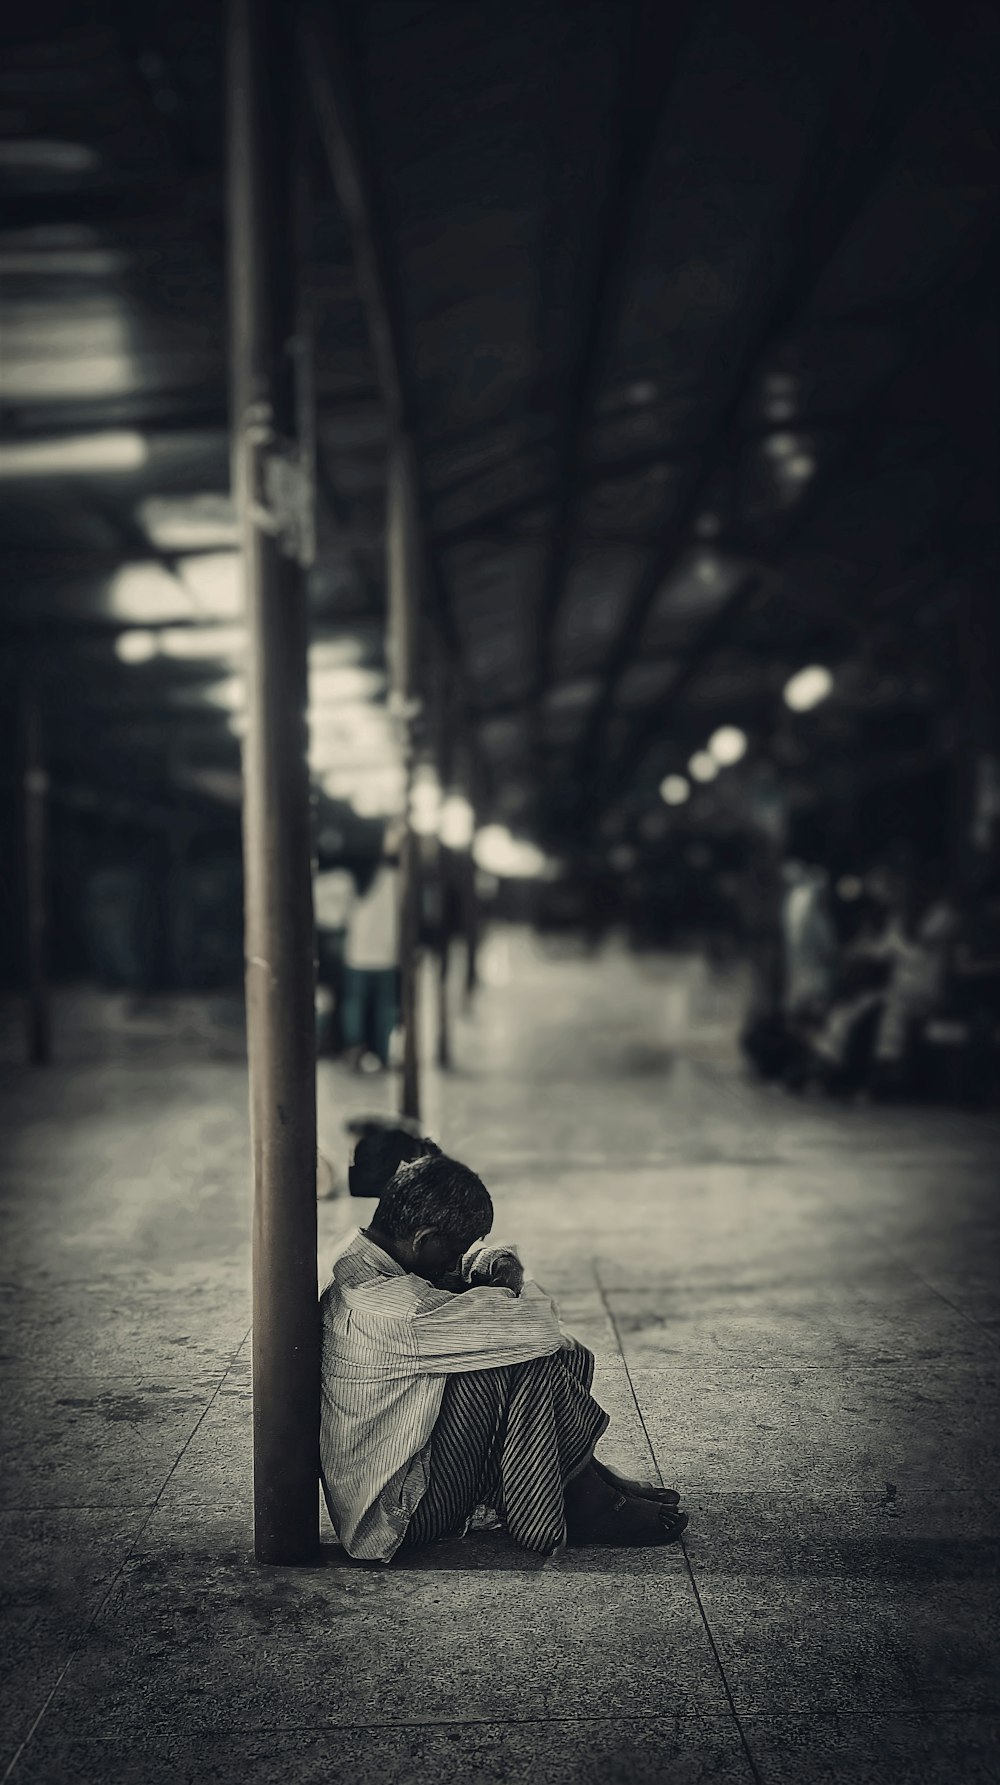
(919, 944)
(896, 977)
(371, 961)
(810, 961)
(811, 951)
(976, 991)
(333, 895)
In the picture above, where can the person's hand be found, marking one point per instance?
(496, 1267)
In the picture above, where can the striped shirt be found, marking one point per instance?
(389, 1342)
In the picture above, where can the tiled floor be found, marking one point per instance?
(796, 1314)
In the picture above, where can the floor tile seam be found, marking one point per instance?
(77, 1646)
(36, 1506)
(751, 1762)
(916, 1713)
(694, 1715)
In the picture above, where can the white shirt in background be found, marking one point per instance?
(372, 941)
(333, 896)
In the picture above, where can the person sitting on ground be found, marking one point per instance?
(448, 1385)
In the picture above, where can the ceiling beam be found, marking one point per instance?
(844, 169)
(956, 306)
(656, 35)
(331, 81)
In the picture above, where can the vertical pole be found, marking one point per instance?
(403, 618)
(276, 832)
(443, 864)
(444, 871)
(34, 809)
(470, 903)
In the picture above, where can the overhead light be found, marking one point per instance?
(361, 733)
(334, 653)
(338, 784)
(728, 745)
(708, 526)
(26, 255)
(800, 466)
(706, 569)
(808, 687)
(187, 523)
(780, 446)
(136, 646)
(779, 408)
(850, 887)
(675, 789)
(237, 724)
(457, 822)
(380, 794)
(780, 384)
(230, 693)
(342, 684)
(497, 852)
(216, 584)
(703, 766)
(74, 455)
(425, 802)
(193, 643)
(148, 593)
(642, 390)
(43, 155)
(52, 373)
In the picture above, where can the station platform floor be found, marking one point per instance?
(796, 1312)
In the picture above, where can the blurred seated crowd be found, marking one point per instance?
(905, 1004)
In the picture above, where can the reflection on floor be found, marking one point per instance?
(796, 1315)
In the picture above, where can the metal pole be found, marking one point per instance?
(276, 835)
(443, 722)
(403, 623)
(443, 872)
(35, 802)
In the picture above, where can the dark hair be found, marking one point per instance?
(437, 1192)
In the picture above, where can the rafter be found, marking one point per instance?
(958, 303)
(656, 34)
(837, 183)
(331, 82)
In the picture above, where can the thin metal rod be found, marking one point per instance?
(35, 822)
(276, 832)
(444, 877)
(402, 548)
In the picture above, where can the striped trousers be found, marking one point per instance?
(511, 1439)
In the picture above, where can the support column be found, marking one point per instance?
(402, 545)
(35, 879)
(444, 729)
(443, 870)
(269, 487)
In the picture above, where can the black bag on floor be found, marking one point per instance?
(383, 1144)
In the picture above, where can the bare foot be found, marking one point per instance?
(598, 1513)
(637, 1490)
(628, 1524)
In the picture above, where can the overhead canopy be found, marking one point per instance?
(690, 310)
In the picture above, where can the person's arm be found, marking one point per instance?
(486, 1267)
(485, 1329)
(494, 1267)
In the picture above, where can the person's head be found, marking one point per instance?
(431, 1211)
